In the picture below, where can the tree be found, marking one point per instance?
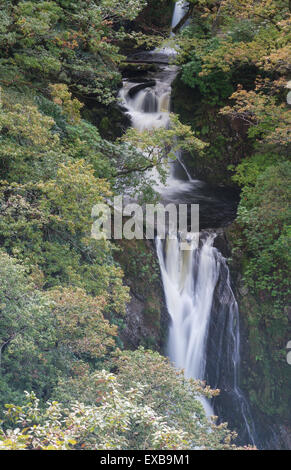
(120, 421)
(268, 120)
(156, 147)
(80, 325)
(27, 334)
(73, 43)
(250, 32)
(164, 390)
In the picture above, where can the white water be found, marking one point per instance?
(179, 12)
(189, 302)
(190, 277)
(149, 108)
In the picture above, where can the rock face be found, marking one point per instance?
(146, 84)
(221, 243)
(138, 330)
(258, 373)
(222, 363)
(156, 17)
(111, 121)
(147, 320)
(135, 330)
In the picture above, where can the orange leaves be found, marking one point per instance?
(69, 39)
(107, 23)
(270, 119)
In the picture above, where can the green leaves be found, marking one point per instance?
(26, 332)
(157, 146)
(264, 217)
(146, 405)
(119, 421)
(75, 43)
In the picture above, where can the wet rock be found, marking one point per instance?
(221, 243)
(135, 89)
(146, 321)
(137, 71)
(149, 58)
(134, 329)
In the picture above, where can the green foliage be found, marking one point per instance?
(265, 217)
(62, 296)
(164, 390)
(74, 43)
(147, 405)
(45, 226)
(248, 171)
(46, 335)
(267, 117)
(245, 45)
(27, 339)
(120, 422)
(216, 86)
(262, 238)
(243, 31)
(81, 327)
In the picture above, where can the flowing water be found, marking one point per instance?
(179, 12)
(204, 320)
(189, 279)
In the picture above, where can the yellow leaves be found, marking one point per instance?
(263, 10)
(279, 60)
(74, 192)
(270, 121)
(62, 97)
(35, 18)
(268, 46)
(27, 123)
(161, 142)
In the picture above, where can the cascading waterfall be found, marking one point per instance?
(196, 282)
(189, 279)
(149, 107)
(198, 292)
(179, 12)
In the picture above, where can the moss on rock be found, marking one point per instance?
(146, 313)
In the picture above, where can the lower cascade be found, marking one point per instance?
(199, 298)
(189, 279)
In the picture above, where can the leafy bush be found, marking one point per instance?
(44, 336)
(215, 87)
(265, 216)
(146, 405)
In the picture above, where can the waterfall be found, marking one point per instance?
(204, 319)
(150, 107)
(179, 12)
(189, 279)
(197, 292)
